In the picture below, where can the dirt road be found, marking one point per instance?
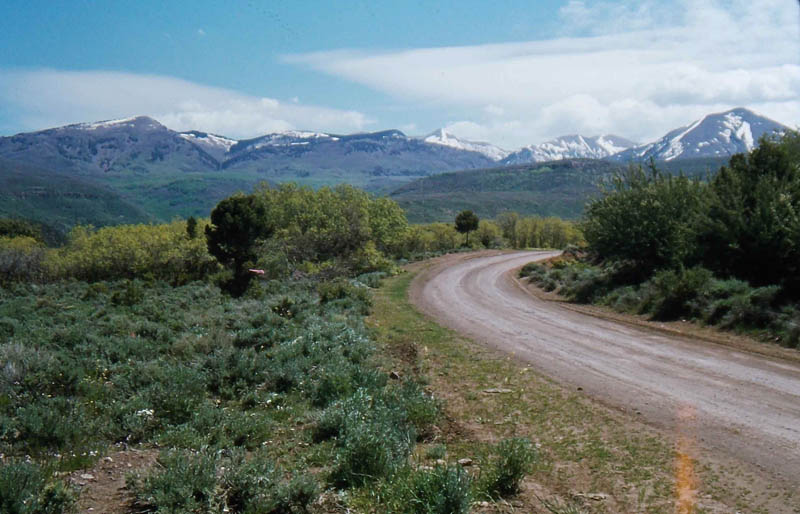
(725, 400)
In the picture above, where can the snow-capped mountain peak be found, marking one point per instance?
(444, 138)
(141, 122)
(287, 138)
(570, 147)
(715, 135)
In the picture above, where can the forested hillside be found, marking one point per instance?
(61, 201)
(558, 188)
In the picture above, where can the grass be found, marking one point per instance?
(583, 447)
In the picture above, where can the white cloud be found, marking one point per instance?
(636, 69)
(48, 98)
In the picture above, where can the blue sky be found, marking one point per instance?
(512, 73)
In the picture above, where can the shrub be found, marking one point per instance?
(444, 490)
(255, 485)
(676, 291)
(339, 378)
(422, 410)
(441, 490)
(184, 484)
(369, 452)
(587, 285)
(751, 310)
(373, 438)
(438, 451)
(372, 279)
(25, 489)
(513, 459)
(131, 251)
(21, 260)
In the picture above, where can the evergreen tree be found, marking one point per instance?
(466, 222)
(238, 224)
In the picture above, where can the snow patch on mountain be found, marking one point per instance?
(570, 147)
(139, 121)
(444, 138)
(211, 140)
(715, 135)
(289, 138)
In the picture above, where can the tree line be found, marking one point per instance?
(743, 223)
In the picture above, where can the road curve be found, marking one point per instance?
(745, 405)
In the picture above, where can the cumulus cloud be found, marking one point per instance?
(47, 98)
(636, 69)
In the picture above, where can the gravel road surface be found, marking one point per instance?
(727, 400)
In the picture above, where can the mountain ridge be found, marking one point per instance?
(572, 146)
(714, 135)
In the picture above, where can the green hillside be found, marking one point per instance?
(61, 201)
(559, 188)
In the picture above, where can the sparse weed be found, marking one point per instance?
(512, 460)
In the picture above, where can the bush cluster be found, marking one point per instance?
(26, 489)
(725, 252)
(193, 369)
(149, 252)
(744, 214)
(692, 294)
(207, 481)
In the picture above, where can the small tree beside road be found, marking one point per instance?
(466, 222)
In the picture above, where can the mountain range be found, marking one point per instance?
(165, 173)
(570, 147)
(142, 144)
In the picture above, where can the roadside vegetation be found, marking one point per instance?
(235, 348)
(724, 252)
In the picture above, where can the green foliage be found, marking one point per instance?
(53, 203)
(341, 289)
(372, 437)
(560, 189)
(372, 280)
(160, 252)
(664, 240)
(374, 431)
(422, 410)
(441, 490)
(692, 293)
(186, 483)
(512, 460)
(291, 227)
(333, 222)
(535, 232)
(238, 224)
(646, 218)
(676, 291)
(753, 214)
(466, 222)
(10, 227)
(369, 451)
(432, 238)
(191, 227)
(489, 235)
(21, 260)
(26, 489)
